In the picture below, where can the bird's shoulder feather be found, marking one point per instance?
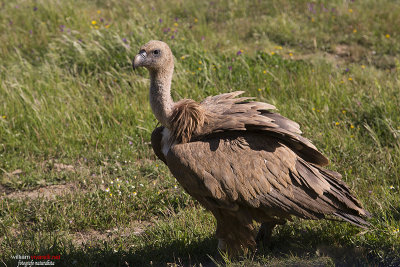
(227, 112)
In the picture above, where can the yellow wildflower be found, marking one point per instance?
(312, 19)
(107, 26)
(344, 111)
(134, 193)
(182, 57)
(110, 194)
(265, 72)
(291, 54)
(313, 109)
(350, 79)
(272, 53)
(196, 20)
(352, 126)
(259, 89)
(94, 22)
(351, 10)
(354, 30)
(199, 68)
(4, 116)
(176, 24)
(337, 123)
(363, 66)
(98, 11)
(351, 136)
(387, 35)
(200, 62)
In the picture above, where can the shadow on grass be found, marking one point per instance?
(177, 253)
(304, 252)
(321, 247)
(308, 248)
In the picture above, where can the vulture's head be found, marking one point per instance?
(155, 56)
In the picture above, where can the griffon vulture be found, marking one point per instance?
(240, 160)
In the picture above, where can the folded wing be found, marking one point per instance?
(259, 173)
(226, 112)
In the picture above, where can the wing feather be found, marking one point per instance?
(226, 112)
(245, 169)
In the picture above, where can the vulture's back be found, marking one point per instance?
(247, 160)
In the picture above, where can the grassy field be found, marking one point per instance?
(78, 177)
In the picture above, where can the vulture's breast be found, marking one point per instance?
(166, 141)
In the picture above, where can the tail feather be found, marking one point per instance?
(354, 219)
(349, 208)
(340, 197)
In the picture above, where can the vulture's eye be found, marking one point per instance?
(156, 52)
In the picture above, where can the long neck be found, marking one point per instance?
(160, 95)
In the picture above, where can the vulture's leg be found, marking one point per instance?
(234, 235)
(265, 232)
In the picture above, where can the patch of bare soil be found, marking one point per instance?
(352, 52)
(47, 192)
(50, 191)
(93, 236)
(344, 54)
(64, 167)
(332, 58)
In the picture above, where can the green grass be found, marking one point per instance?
(75, 118)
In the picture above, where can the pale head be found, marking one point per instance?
(155, 56)
(158, 59)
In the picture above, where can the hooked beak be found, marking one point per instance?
(139, 58)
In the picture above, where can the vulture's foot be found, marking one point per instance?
(222, 244)
(235, 238)
(235, 248)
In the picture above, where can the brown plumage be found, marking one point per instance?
(187, 119)
(241, 160)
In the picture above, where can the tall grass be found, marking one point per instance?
(68, 95)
